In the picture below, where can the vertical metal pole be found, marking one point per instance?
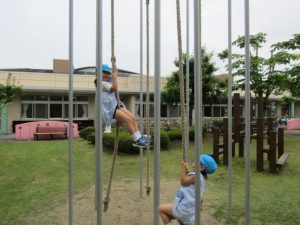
(98, 120)
(247, 108)
(156, 111)
(141, 97)
(187, 83)
(198, 102)
(148, 94)
(71, 112)
(229, 110)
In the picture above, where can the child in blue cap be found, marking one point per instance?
(112, 112)
(183, 207)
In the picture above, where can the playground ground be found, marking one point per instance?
(127, 208)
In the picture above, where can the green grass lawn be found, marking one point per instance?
(34, 177)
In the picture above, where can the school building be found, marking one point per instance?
(45, 97)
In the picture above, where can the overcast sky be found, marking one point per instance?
(33, 32)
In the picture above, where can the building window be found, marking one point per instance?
(164, 111)
(215, 110)
(41, 111)
(27, 110)
(56, 111)
(52, 107)
(207, 111)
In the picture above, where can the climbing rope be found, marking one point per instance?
(116, 145)
(181, 80)
(148, 188)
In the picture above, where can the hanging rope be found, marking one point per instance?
(116, 146)
(181, 80)
(148, 188)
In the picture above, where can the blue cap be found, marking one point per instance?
(106, 68)
(209, 163)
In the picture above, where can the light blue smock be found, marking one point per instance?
(184, 202)
(109, 103)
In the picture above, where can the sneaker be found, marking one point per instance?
(142, 142)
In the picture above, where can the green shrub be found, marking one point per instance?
(86, 132)
(125, 144)
(164, 140)
(192, 132)
(109, 140)
(218, 124)
(125, 141)
(175, 134)
(91, 138)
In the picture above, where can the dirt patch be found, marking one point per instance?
(125, 207)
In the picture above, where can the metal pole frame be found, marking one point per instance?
(98, 121)
(71, 112)
(187, 83)
(247, 113)
(157, 71)
(198, 104)
(141, 97)
(229, 109)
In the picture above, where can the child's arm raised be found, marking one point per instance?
(184, 179)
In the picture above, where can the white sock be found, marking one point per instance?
(136, 136)
(169, 223)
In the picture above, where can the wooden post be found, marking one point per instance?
(236, 115)
(259, 144)
(260, 107)
(225, 141)
(241, 146)
(280, 141)
(272, 152)
(216, 144)
(270, 127)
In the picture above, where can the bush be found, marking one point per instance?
(125, 141)
(125, 144)
(192, 132)
(164, 140)
(86, 132)
(175, 134)
(218, 124)
(91, 138)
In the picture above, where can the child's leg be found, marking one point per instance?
(121, 116)
(133, 120)
(166, 213)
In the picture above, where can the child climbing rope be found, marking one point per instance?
(112, 112)
(183, 207)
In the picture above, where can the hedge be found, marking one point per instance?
(84, 133)
(125, 139)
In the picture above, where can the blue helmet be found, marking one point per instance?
(209, 163)
(106, 68)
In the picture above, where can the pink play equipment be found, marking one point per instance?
(25, 131)
(293, 124)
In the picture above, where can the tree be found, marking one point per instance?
(293, 84)
(8, 92)
(268, 75)
(212, 89)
